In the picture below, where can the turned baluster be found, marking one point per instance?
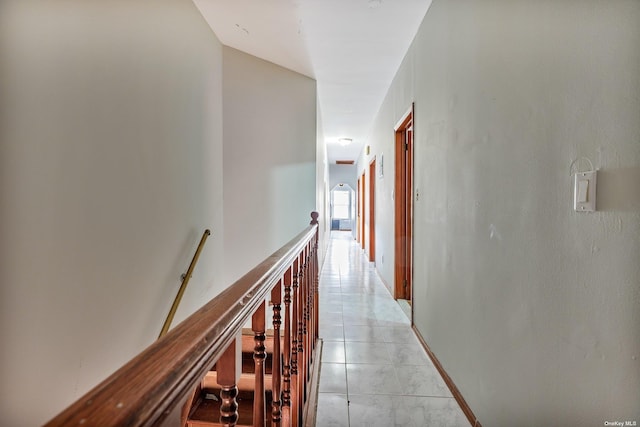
(286, 369)
(316, 289)
(309, 318)
(276, 299)
(300, 357)
(305, 318)
(316, 279)
(307, 315)
(302, 345)
(295, 330)
(310, 312)
(226, 367)
(259, 356)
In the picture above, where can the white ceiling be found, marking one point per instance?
(352, 48)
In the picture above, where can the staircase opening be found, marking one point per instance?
(192, 372)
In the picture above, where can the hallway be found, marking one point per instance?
(374, 372)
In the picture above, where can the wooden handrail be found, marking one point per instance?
(183, 285)
(153, 385)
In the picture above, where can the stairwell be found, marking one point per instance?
(205, 409)
(191, 375)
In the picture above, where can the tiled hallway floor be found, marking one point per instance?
(374, 372)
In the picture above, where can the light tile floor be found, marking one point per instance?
(374, 372)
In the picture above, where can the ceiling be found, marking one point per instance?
(352, 48)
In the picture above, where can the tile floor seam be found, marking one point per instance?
(346, 371)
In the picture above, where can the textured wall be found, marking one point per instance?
(532, 308)
(322, 188)
(110, 169)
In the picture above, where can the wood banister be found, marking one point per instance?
(155, 383)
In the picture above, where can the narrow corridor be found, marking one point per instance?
(374, 372)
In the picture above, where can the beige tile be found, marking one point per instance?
(331, 332)
(333, 378)
(333, 410)
(333, 352)
(364, 333)
(367, 352)
(372, 379)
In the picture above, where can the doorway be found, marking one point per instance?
(342, 208)
(404, 208)
(372, 211)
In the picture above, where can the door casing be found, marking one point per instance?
(372, 211)
(403, 269)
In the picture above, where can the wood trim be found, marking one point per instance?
(403, 209)
(408, 290)
(372, 211)
(449, 382)
(402, 122)
(362, 212)
(358, 211)
(345, 162)
(398, 215)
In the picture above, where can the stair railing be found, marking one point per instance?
(155, 386)
(183, 286)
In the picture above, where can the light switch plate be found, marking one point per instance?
(584, 191)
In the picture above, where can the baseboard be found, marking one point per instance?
(449, 382)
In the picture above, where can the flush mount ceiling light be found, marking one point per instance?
(345, 141)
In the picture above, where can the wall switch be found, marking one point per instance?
(584, 191)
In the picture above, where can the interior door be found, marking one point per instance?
(404, 208)
(358, 237)
(362, 213)
(372, 211)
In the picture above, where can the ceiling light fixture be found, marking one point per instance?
(345, 141)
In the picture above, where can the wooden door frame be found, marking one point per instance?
(372, 210)
(403, 268)
(362, 212)
(358, 212)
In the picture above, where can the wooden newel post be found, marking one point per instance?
(314, 218)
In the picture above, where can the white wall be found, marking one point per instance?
(532, 308)
(110, 169)
(269, 158)
(343, 174)
(322, 188)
